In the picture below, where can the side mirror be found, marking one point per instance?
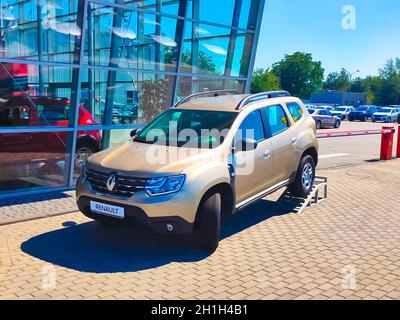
(246, 144)
(134, 132)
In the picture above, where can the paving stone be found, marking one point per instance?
(264, 253)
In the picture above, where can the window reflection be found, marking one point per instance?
(130, 39)
(33, 159)
(216, 51)
(48, 31)
(189, 85)
(32, 95)
(130, 97)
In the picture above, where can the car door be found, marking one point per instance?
(253, 169)
(283, 138)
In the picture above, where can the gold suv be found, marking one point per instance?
(210, 155)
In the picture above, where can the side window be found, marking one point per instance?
(295, 111)
(252, 127)
(275, 120)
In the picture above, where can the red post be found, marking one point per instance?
(387, 144)
(398, 143)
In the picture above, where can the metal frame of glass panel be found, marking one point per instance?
(78, 65)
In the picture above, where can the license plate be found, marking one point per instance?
(107, 209)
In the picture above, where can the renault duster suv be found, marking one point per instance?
(210, 155)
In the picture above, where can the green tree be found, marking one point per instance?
(299, 74)
(389, 91)
(339, 81)
(264, 80)
(154, 98)
(205, 62)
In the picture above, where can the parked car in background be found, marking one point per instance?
(342, 111)
(325, 107)
(325, 118)
(32, 111)
(362, 113)
(386, 115)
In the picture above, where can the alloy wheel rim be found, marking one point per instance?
(81, 156)
(307, 176)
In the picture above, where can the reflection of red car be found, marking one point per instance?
(44, 111)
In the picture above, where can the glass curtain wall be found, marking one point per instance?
(77, 75)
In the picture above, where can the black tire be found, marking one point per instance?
(209, 222)
(389, 120)
(337, 124)
(364, 119)
(318, 124)
(299, 188)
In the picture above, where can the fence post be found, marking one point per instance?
(387, 144)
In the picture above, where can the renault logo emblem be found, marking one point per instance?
(111, 182)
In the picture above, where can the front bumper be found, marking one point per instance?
(136, 216)
(178, 209)
(380, 118)
(358, 116)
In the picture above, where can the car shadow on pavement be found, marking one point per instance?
(90, 247)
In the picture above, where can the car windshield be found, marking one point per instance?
(341, 109)
(386, 110)
(189, 128)
(362, 108)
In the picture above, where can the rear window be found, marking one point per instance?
(53, 113)
(295, 111)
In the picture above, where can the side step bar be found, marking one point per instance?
(318, 194)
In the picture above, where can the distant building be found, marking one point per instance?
(339, 98)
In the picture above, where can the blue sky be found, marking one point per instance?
(315, 26)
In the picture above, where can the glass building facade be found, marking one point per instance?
(77, 75)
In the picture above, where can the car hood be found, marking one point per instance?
(358, 112)
(151, 160)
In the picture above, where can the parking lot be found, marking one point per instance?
(346, 247)
(352, 150)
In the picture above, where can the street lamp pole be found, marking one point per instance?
(351, 74)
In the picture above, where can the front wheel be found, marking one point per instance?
(304, 181)
(318, 124)
(209, 222)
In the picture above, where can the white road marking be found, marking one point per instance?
(333, 155)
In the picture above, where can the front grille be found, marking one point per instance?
(124, 187)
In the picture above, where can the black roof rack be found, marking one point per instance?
(261, 96)
(215, 93)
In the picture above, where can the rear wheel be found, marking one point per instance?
(318, 124)
(304, 181)
(337, 124)
(209, 222)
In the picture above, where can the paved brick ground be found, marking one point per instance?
(36, 206)
(353, 239)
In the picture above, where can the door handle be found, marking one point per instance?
(294, 140)
(267, 154)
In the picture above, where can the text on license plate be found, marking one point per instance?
(107, 209)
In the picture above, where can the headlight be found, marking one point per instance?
(164, 185)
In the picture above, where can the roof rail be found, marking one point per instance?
(261, 96)
(215, 93)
